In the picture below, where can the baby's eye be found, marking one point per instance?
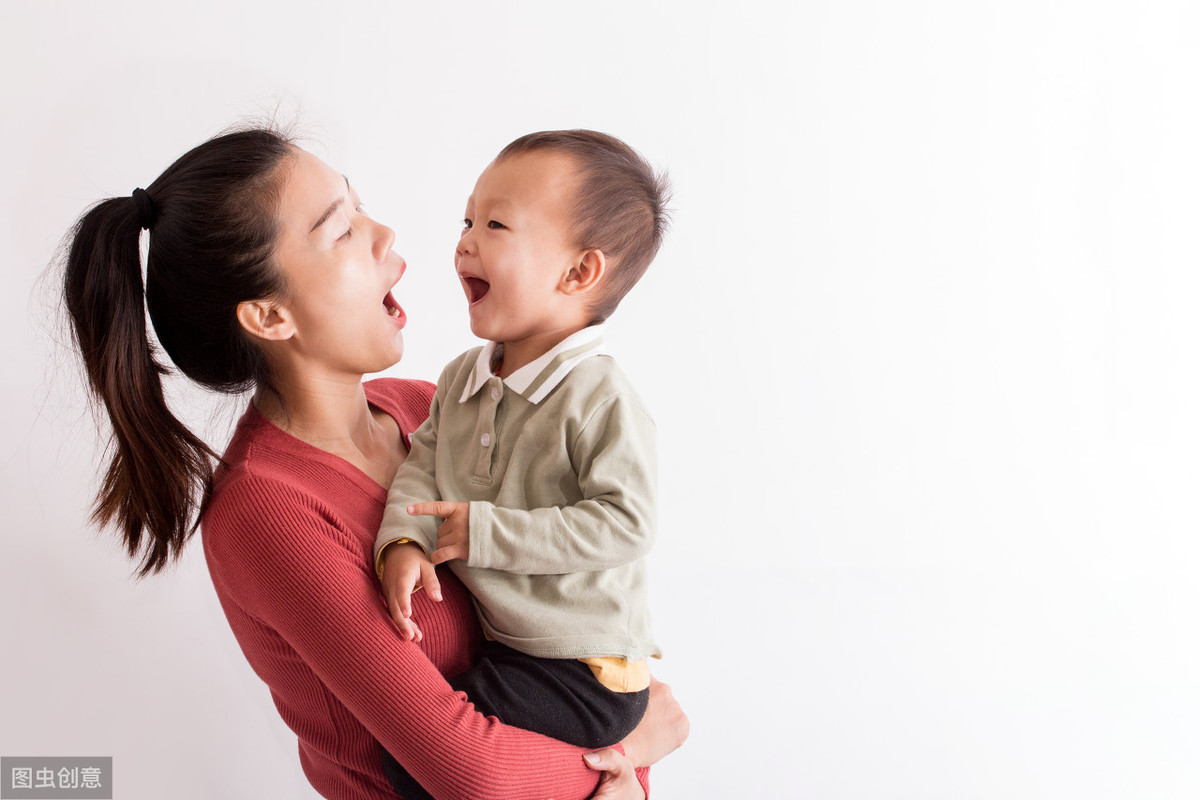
(466, 224)
(495, 225)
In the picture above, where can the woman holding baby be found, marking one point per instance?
(264, 273)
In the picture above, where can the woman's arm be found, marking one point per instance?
(302, 576)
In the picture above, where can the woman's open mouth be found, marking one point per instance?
(393, 309)
(477, 288)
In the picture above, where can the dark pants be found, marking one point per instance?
(560, 698)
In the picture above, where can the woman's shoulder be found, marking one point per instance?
(258, 455)
(257, 490)
(401, 397)
(267, 478)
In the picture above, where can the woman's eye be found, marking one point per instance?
(494, 225)
(347, 234)
(361, 208)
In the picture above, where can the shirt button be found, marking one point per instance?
(495, 393)
(485, 440)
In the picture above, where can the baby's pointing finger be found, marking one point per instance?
(436, 508)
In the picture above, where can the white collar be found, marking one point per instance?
(538, 378)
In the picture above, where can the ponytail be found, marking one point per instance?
(208, 252)
(158, 468)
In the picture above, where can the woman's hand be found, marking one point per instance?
(662, 730)
(406, 568)
(619, 781)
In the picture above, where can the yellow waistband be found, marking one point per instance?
(620, 674)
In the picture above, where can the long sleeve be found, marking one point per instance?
(415, 482)
(279, 557)
(615, 459)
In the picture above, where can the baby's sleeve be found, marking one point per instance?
(415, 482)
(616, 461)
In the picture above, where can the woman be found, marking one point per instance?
(264, 273)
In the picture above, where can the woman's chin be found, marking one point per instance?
(392, 357)
(399, 350)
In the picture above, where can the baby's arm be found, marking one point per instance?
(616, 461)
(401, 573)
(415, 480)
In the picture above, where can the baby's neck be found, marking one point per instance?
(519, 353)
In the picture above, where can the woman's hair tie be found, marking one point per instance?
(145, 208)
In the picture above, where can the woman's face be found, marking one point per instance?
(340, 318)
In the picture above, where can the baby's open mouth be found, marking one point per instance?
(477, 289)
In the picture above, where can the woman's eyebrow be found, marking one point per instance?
(332, 207)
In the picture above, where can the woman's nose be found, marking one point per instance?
(385, 237)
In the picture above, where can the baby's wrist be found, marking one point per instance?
(389, 553)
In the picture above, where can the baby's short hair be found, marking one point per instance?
(620, 209)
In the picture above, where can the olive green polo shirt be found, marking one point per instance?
(558, 464)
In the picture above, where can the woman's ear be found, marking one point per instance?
(585, 275)
(265, 320)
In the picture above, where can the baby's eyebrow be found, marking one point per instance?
(502, 203)
(332, 208)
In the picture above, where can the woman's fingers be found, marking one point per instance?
(619, 781)
(606, 760)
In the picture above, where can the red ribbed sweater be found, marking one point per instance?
(288, 538)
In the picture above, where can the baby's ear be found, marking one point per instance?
(585, 275)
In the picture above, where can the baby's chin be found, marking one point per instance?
(485, 332)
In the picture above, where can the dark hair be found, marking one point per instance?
(212, 217)
(620, 209)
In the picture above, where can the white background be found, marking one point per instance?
(922, 346)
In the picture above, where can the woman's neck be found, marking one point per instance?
(335, 417)
(331, 415)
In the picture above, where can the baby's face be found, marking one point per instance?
(518, 245)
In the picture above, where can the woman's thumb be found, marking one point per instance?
(601, 759)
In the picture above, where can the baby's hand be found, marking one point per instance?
(406, 569)
(454, 535)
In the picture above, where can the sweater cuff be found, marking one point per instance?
(643, 776)
(479, 527)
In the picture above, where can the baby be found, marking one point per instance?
(538, 456)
